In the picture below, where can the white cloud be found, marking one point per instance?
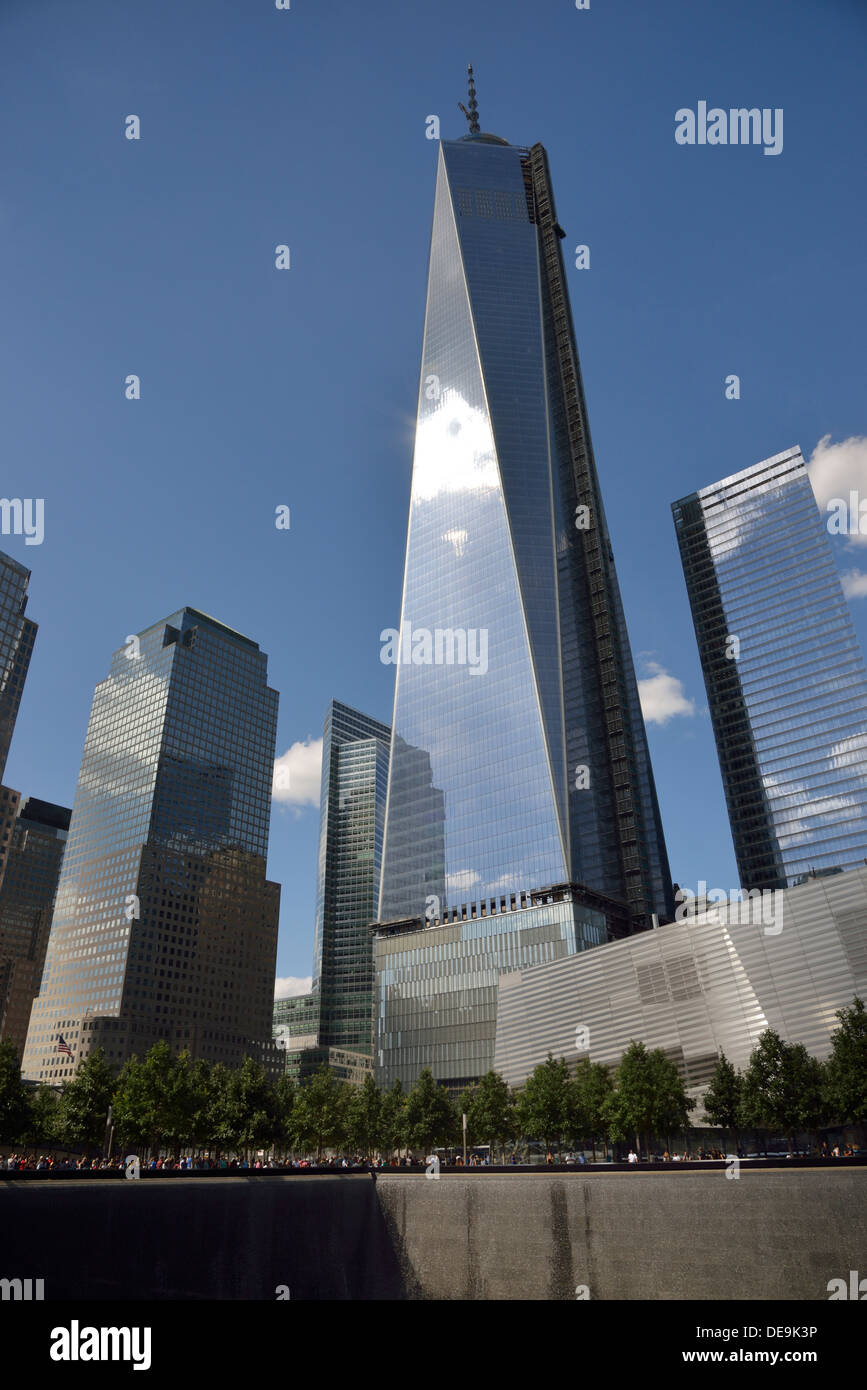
(836, 470)
(292, 985)
(854, 583)
(461, 881)
(298, 773)
(454, 451)
(662, 696)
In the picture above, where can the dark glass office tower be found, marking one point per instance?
(165, 925)
(17, 635)
(785, 677)
(355, 754)
(519, 754)
(37, 839)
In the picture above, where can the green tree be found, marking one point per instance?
(723, 1097)
(591, 1090)
(198, 1102)
(43, 1116)
(394, 1117)
(364, 1125)
(223, 1126)
(162, 1101)
(320, 1111)
(671, 1103)
(649, 1097)
(14, 1110)
(430, 1115)
(543, 1104)
(83, 1108)
(490, 1110)
(251, 1099)
(782, 1087)
(845, 1089)
(285, 1092)
(133, 1115)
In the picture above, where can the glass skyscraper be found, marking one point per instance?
(165, 925)
(522, 822)
(17, 635)
(785, 677)
(37, 837)
(519, 755)
(355, 755)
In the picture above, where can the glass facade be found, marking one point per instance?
(519, 755)
(355, 755)
(17, 635)
(35, 853)
(785, 677)
(165, 925)
(296, 1020)
(438, 984)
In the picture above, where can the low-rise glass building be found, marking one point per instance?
(437, 982)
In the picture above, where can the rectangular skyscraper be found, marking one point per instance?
(17, 635)
(785, 677)
(165, 925)
(355, 752)
(525, 763)
(37, 840)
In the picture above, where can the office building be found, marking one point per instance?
(165, 925)
(785, 677)
(438, 981)
(37, 837)
(516, 705)
(355, 753)
(17, 635)
(519, 755)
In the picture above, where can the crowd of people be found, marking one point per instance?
(200, 1163)
(48, 1162)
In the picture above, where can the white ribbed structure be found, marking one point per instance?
(698, 988)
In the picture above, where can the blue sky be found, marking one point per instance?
(262, 387)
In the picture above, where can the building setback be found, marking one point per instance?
(785, 677)
(165, 925)
(35, 854)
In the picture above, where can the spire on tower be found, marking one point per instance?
(472, 114)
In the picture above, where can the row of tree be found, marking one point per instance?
(174, 1102)
(785, 1089)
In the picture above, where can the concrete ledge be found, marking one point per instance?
(769, 1234)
